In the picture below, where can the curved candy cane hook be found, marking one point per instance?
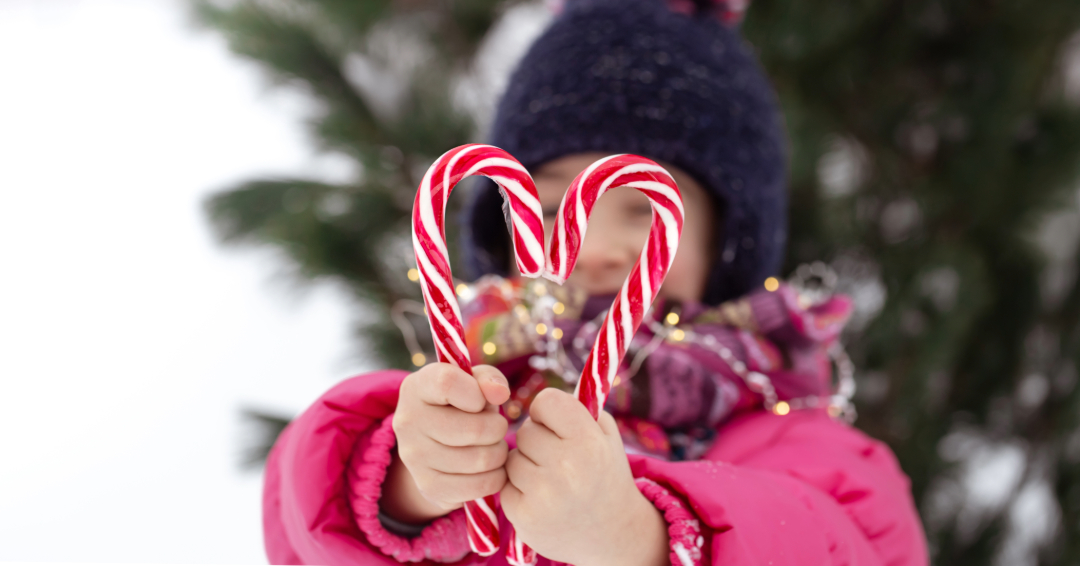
(640, 288)
(433, 263)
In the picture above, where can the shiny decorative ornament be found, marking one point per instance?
(815, 283)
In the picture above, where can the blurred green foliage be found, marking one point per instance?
(931, 141)
(956, 119)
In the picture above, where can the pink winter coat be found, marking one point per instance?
(799, 489)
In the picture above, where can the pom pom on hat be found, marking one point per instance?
(729, 12)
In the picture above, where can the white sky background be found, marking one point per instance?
(128, 339)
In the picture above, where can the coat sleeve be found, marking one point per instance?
(801, 489)
(444, 540)
(307, 514)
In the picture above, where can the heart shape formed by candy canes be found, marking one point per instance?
(527, 231)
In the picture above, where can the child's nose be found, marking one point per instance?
(603, 261)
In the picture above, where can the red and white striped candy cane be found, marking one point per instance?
(518, 553)
(433, 263)
(648, 273)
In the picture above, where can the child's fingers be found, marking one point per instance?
(493, 384)
(452, 427)
(444, 384)
(611, 431)
(520, 470)
(460, 460)
(562, 413)
(607, 424)
(510, 499)
(454, 489)
(538, 442)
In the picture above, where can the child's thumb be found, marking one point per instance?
(493, 384)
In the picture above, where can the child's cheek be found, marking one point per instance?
(687, 276)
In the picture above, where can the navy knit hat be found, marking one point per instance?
(634, 76)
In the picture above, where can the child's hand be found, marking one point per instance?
(570, 493)
(450, 441)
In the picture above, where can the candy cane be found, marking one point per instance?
(518, 553)
(638, 291)
(648, 273)
(433, 263)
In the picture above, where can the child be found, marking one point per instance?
(688, 466)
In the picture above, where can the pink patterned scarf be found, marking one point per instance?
(672, 391)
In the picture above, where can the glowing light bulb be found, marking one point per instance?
(558, 308)
(541, 329)
(672, 318)
(489, 348)
(419, 359)
(772, 284)
(414, 274)
(781, 408)
(556, 333)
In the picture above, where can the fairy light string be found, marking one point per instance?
(537, 306)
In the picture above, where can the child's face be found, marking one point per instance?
(619, 226)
